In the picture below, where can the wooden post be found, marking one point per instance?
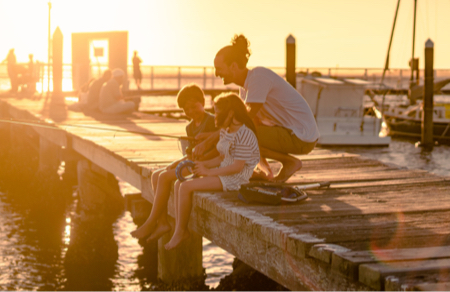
(57, 60)
(290, 61)
(427, 116)
(182, 263)
(185, 261)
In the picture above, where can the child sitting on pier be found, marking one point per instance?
(239, 155)
(192, 100)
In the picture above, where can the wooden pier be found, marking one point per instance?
(377, 227)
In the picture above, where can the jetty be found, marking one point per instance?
(377, 227)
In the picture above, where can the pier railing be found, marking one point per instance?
(174, 77)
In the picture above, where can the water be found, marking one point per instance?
(43, 245)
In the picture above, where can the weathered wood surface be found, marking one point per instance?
(375, 226)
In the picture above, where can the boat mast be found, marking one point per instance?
(413, 43)
(386, 66)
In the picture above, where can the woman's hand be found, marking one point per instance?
(201, 170)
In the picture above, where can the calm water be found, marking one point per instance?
(44, 246)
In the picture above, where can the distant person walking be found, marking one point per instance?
(111, 98)
(12, 70)
(31, 76)
(137, 70)
(285, 124)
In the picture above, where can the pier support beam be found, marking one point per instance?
(182, 263)
(99, 192)
(4, 130)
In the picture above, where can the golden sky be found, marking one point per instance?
(329, 33)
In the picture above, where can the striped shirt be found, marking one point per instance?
(240, 145)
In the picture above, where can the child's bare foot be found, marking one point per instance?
(287, 170)
(176, 239)
(143, 231)
(160, 230)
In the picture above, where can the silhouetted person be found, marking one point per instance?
(31, 77)
(111, 98)
(94, 91)
(137, 70)
(12, 72)
(91, 102)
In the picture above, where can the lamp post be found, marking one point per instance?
(49, 48)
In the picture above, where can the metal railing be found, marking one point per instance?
(174, 77)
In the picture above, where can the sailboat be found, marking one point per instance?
(407, 121)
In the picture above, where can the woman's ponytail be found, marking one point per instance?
(238, 52)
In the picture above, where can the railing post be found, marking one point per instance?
(212, 79)
(204, 77)
(57, 60)
(151, 76)
(365, 74)
(179, 77)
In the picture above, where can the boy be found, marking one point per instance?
(192, 100)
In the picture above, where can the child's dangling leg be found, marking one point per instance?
(185, 193)
(162, 195)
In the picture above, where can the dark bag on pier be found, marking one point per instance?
(270, 194)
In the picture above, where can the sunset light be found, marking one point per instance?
(347, 33)
(225, 145)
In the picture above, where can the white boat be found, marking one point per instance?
(337, 105)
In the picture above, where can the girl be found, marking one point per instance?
(239, 155)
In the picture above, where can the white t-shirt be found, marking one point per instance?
(283, 105)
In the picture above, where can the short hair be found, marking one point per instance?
(190, 92)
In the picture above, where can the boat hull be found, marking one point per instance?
(399, 126)
(351, 131)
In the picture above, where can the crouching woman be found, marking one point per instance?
(239, 155)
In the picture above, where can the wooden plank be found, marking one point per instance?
(399, 182)
(347, 263)
(374, 275)
(343, 177)
(249, 236)
(444, 286)
(337, 204)
(324, 251)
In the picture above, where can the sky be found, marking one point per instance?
(329, 33)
